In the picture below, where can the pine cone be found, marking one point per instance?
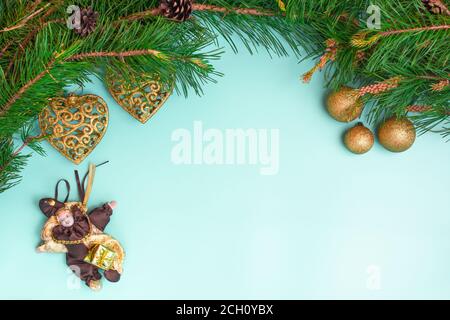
(436, 7)
(88, 21)
(179, 10)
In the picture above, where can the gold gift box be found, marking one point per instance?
(101, 256)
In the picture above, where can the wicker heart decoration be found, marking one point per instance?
(75, 125)
(141, 99)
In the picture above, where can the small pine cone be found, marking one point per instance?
(179, 10)
(88, 21)
(436, 7)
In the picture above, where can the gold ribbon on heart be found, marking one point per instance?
(141, 99)
(75, 125)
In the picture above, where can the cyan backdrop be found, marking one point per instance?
(329, 225)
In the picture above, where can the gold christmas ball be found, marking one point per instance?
(359, 139)
(344, 105)
(397, 135)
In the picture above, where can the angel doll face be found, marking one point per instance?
(65, 218)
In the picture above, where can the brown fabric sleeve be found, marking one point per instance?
(100, 216)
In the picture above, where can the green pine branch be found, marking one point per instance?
(40, 56)
(412, 43)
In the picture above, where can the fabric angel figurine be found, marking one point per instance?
(72, 230)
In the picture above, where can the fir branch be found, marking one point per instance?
(2, 52)
(16, 153)
(411, 45)
(359, 40)
(41, 55)
(31, 34)
(25, 20)
(428, 28)
(23, 89)
(201, 7)
(123, 54)
(244, 11)
(141, 15)
(11, 163)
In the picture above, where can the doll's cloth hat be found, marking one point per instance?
(49, 206)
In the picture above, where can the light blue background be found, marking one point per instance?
(227, 232)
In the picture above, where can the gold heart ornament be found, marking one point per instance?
(141, 99)
(75, 125)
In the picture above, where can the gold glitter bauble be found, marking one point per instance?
(359, 139)
(344, 105)
(397, 135)
(141, 99)
(74, 125)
